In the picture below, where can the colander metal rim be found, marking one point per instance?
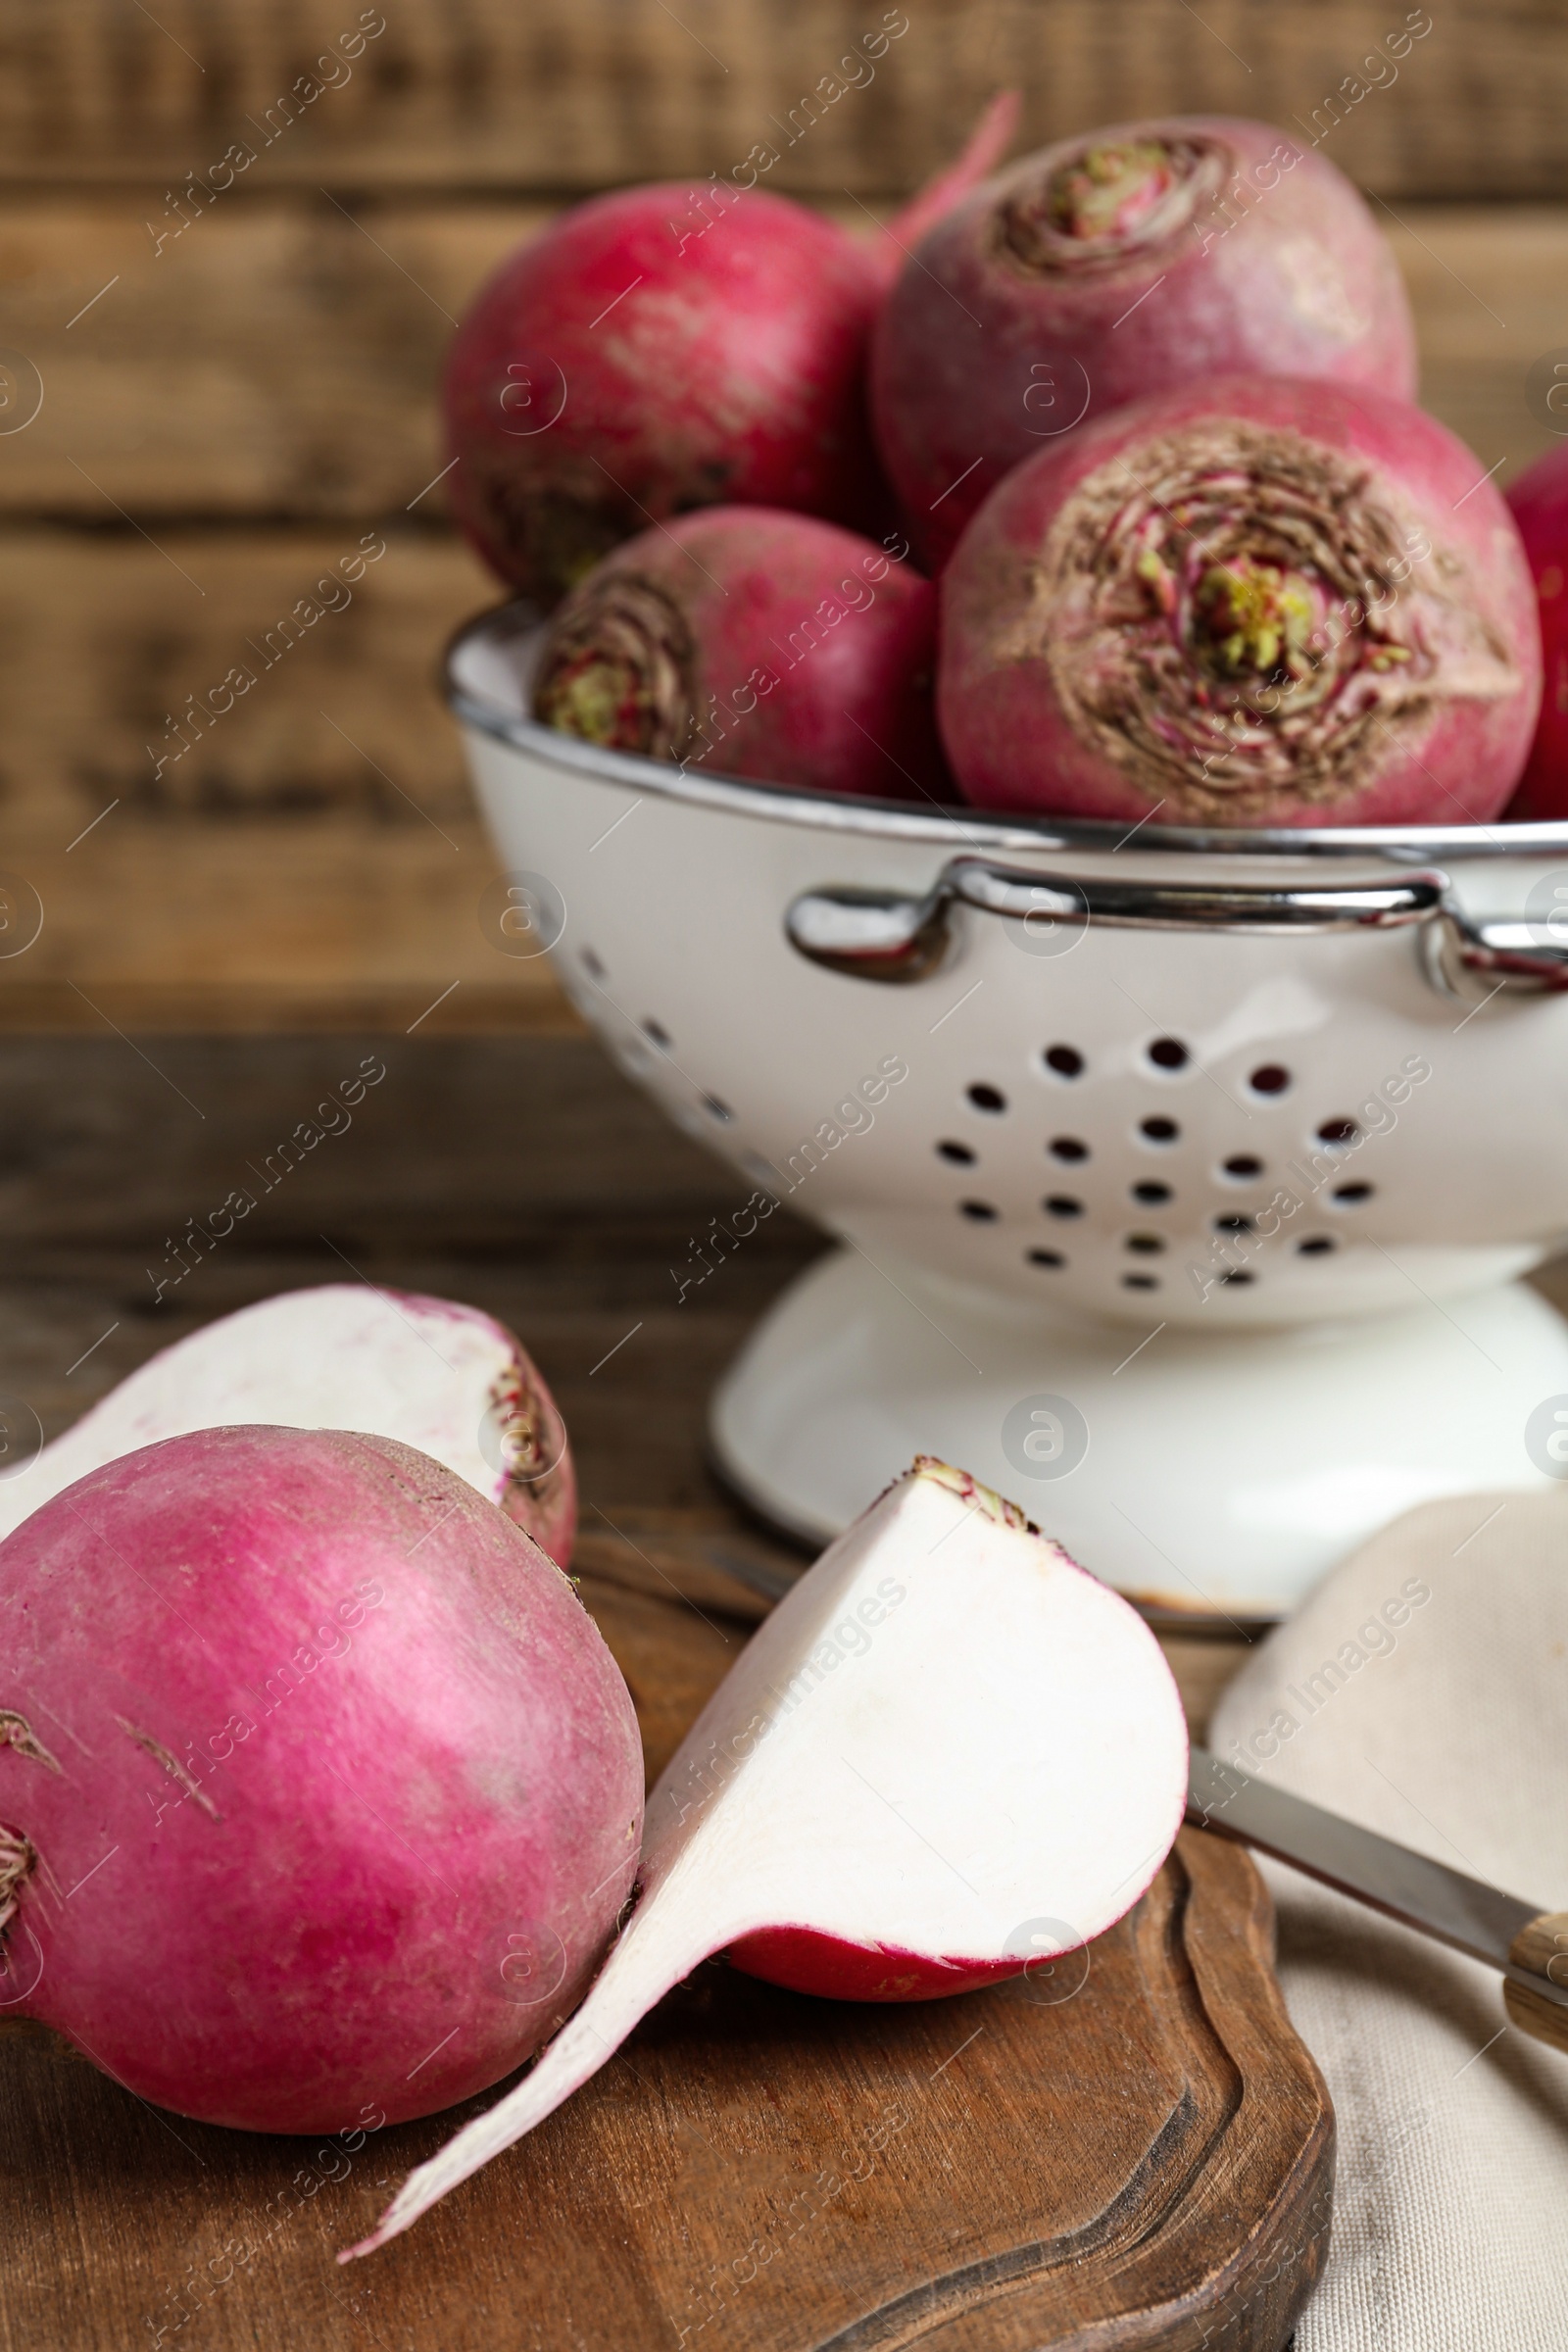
(961, 827)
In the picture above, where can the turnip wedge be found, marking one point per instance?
(948, 1755)
(446, 1379)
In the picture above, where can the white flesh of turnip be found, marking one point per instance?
(432, 1374)
(949, 1748)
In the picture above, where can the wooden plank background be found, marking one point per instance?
(229, 412)
(577, 94)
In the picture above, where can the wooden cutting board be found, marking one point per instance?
(1133, 2150)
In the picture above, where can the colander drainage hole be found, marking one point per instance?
(988, 1097)
(1066, 1061)
(981, 1212)
(1244, 1168)
(1350, 1196)
(1062, 1204)
(1270, 1078)
(592, 964)
(1045, 1257)
(1067, 1146)
(1147, 1245)
(1338, 1131)
(717, 1109)
(1238, 1278)
(1151, 1193)
(1140, 1282)
(659, 1033)
(1316, 1244)
(1169, 1054)
(1234, 1225)
(959, 1153)
(1160, 1131)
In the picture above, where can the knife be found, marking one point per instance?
(1529, 1945)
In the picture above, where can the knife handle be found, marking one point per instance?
(1543, 1948)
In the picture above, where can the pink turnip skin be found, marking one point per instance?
(803, 1961)
(1205, 246)
(833, 1969)
(728, 368)
(1262, 602)
(754, 643)
(331, 1790)
(672, 347)
(1539, 502)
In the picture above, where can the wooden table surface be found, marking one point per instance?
(522, 1174)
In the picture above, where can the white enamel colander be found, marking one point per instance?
(1057, 1085)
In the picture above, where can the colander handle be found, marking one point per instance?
(1476, 961)
(888, 934)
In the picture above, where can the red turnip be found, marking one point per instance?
(948, 1755)
(319, 1789)
(754, 643)
(443, 1378)
(672, 347)
(984, 149)
(1110, 267)
(1539, 503)
(1261, 602)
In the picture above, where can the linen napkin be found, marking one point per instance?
(1423, 1691)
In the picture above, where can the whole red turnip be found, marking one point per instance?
(1260, 602)
(320, 1792)
(1538, 499)
(665, 348)
(1111, 266)
(754, 643)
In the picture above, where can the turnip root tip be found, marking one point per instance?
(981, 153)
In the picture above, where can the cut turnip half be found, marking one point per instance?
(948, 1755)
(445, 1379)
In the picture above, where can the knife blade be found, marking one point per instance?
(1447, 1904)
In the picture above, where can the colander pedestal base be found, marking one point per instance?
(1216, 1473)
